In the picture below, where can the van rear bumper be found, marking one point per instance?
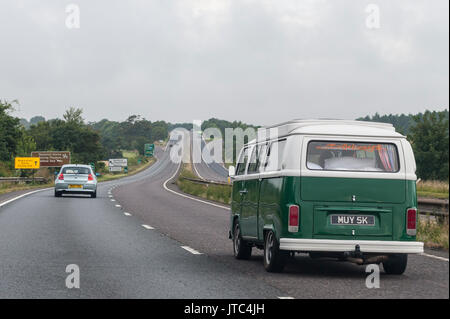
(367, 246)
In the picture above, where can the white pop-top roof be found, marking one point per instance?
(329, 127)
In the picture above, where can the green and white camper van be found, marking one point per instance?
(330, 188)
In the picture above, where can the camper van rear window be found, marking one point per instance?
(348, 156)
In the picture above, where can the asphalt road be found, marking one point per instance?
(41, 235)
(119, 258)
(204, 227)
(207, 168)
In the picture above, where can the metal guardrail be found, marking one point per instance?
(433, 207)
(23, 179)
(204, 181)
(427, 206)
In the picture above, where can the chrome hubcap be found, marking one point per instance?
(269, 248)
(237, 240)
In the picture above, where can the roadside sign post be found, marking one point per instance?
(148, 150)
(27, 163)
(52, 158)
(117, 164)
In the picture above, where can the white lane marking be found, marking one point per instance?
(285, 297)
(113, 200)
(127, 214)
(435, 257)
(118, 206)
(186, 196)
(147, 227)
(110, 196)
(21, 196)
(191, 250)
(196, 171)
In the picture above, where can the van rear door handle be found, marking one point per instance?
(243, 192)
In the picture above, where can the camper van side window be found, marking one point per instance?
(254, 160)
(262, 158)
(275, 155)
(242, 162)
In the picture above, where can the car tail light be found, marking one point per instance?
(294, 218)
(90, 177)
(411, 221)
(61, 177)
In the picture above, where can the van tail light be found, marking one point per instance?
(61, 177)
(294, 218)
(90, 177)
(411, 221)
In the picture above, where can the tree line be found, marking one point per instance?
(87, 142)
(428, 133)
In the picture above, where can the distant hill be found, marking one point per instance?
(34, 120)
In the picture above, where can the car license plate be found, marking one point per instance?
(358, 220)
(75, 186)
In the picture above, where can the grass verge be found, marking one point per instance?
(134, 169)
(433, 234)
(432, 189)
(217, 193)
(13, 188)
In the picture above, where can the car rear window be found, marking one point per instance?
(352, 156)
(76, 170)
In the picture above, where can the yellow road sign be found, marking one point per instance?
(27, 162)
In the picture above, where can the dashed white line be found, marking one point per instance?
(127, 214)
(435, 257)
(118, 206)
(147, 227)
(285, 297)
(191, 250)
(113, 200)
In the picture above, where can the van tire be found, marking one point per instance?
(57, 194)
(274, 259)
(396, 264)
(242, 250)
(94, 194)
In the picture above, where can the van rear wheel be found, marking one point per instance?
(274, 259)
(396, 264)
(242, 250)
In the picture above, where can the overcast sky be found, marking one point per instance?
(257, 61)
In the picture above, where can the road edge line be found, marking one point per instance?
(23, 195)
(186, 196)
(435, 257)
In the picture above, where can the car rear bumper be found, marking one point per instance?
(367, 246)
(86, 188)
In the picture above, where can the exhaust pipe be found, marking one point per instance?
(366, 261)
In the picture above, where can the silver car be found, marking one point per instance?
(76, 179)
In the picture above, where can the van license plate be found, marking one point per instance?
(359, 220)
(75, 186)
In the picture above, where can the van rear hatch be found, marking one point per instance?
(352, 206)
(357, 190)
